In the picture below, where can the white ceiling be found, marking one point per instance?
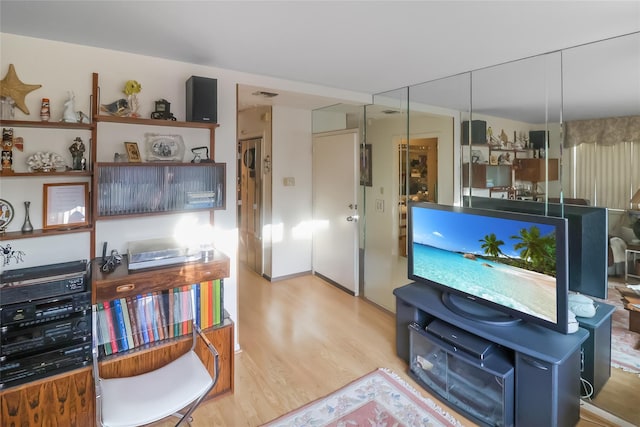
(361, 46)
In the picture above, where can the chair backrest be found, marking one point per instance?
(128, 324)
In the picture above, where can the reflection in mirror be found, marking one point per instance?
(601, 94)
(385, 130)
(515, 145)
(437, 109)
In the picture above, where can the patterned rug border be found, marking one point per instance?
(412, 393)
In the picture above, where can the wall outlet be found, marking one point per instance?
(289, 181)
(379, 205)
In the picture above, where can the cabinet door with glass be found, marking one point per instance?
(157, 188)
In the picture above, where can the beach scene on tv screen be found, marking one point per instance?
(508, 262)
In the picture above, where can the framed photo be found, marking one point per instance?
(65, 205)
(133, 151)
(365, 165)
(167, 148)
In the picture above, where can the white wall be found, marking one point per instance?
(62, 67)
(291, 215)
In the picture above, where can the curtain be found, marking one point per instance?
(607, 175)
(609, 131)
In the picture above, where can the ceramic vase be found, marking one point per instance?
(27, 227)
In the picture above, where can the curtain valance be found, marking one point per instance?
(607, 131)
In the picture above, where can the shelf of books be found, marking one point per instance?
(140, 321)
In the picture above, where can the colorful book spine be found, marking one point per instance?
(211, 304)
(152, 322)
(186, 313)
(204, 305)
(177, 308)
(104, 340)
(142, 319)
(110, 326)
(170, 313)
(157, 313)
(163, 306)
(196, 303)
(121, 331)
(218, 300)
(133, 318)
(127, 323)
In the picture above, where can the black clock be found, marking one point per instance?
(163, 110)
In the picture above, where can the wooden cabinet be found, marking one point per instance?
(62, 400)
(535, 170)
(486, 176)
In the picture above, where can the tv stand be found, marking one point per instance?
(545, 363)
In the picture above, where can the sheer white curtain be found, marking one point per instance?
(606, 175)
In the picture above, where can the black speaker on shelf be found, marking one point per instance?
(537, 137)
(478, 132)
(202, 99)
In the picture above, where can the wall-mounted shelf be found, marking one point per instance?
(40, 124)
(47, 174)
(154, 122)
(15, 235)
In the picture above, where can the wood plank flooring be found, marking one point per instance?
(300, 340)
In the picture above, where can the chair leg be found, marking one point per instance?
(184, 418)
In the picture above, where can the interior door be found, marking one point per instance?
(335, 190)
(250, 248)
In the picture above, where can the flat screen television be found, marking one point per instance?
(588, 238)
(492, 266)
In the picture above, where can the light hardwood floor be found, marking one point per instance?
(300, 340)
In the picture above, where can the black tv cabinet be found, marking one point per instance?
(546, 363)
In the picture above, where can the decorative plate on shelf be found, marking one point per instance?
(6, 213)
(164, 147)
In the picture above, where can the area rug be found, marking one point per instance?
(625, 345)
(380, 398)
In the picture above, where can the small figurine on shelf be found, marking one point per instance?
(45, 112)
(118, 108)
(8, 108)
(132, 88)
(77, 152)
(7, 153)
(69, 115)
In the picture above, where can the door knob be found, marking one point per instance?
(352, 218)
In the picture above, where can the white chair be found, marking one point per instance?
(175, 389)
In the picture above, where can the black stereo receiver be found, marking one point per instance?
(25, 369)
(44, 310)
(27, 284)
(21, 340)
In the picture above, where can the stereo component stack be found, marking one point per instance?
(45, 321)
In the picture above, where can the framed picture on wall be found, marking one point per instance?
(65, 205)
(365, 165)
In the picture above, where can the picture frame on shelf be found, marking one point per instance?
(133, 152)
(167, 148)
(65, 205)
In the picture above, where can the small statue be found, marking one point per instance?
(69, 114)
(77, 152)
(118, 108)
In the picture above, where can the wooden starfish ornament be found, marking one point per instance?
(12, 87)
